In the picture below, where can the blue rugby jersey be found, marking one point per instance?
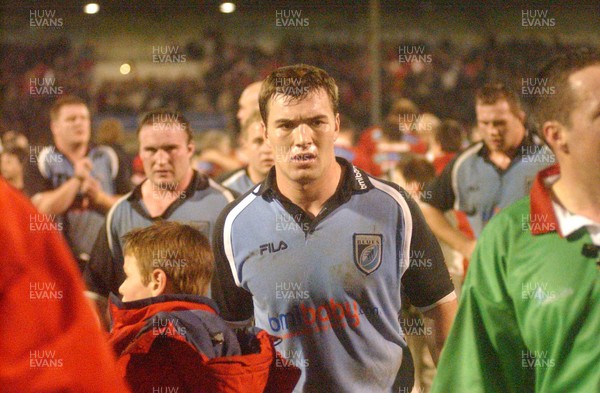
(474, 184)
(238, 181)
(198, 206)
(331, 286)
(51, 168)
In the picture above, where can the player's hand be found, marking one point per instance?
(91, 188)
(82, 168)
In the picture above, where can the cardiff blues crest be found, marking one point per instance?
(367, 251)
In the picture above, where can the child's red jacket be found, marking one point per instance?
(179, 343)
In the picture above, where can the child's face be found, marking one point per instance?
(133, 288)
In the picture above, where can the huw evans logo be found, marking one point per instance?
(290, 18)
(536, 18)
(44, 19)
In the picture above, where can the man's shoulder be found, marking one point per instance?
(121, 206)
(468, 154)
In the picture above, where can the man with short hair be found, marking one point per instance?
(73, 180)
(490, 174)
(529, 314)
(173, 191)
(248, 102)
(259, 155)
(321, 251)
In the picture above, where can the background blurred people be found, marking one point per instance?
(489, 175)
(12, 161)
(110, 133)
(259, 156)
(73, 182)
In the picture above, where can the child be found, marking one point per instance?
(168, 335)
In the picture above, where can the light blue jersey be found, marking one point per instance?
(331, 286)
(239, 181)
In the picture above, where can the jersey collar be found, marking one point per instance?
(198, 182)
(543, 217)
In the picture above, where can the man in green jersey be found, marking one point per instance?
(529, 316)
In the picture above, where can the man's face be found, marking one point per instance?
(500, 128)
(72, 125)
(302, 134)
(583, 135)
(10, 166)
(165, 153)
(248, 102)
(133, 288)
(258, 152)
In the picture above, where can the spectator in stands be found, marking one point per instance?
(173, 191)
(168, 333)
(111, 133)
(73, 181)
(489, 175)
(12, 160)
(258, 153)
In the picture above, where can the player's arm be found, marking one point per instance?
(56, 201)
(98, 273)
(235, 303)
(443, 229)
(429, 287)
(438, 198)
(442, 317)
(59, 200)
(485, 333)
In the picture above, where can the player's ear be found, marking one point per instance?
(159, 282)
(555, 135)
(336, 131)
(191, 146)
(263, 127)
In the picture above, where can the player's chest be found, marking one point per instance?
(289, 262)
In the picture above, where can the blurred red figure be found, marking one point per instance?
(51, 341)
(397, 136)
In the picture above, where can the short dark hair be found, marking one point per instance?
(64, 101)
(491, 93)
(15, 151)
(165, 116)
(296, 83)
(556, 73)
(449, 135)
(416, 169)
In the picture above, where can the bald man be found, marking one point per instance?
(248, 101)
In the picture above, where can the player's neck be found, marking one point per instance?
(157, 198)
(578, 193)
(72, 151)
(312, 196)
(254, 175)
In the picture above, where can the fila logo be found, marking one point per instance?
(271, 248)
